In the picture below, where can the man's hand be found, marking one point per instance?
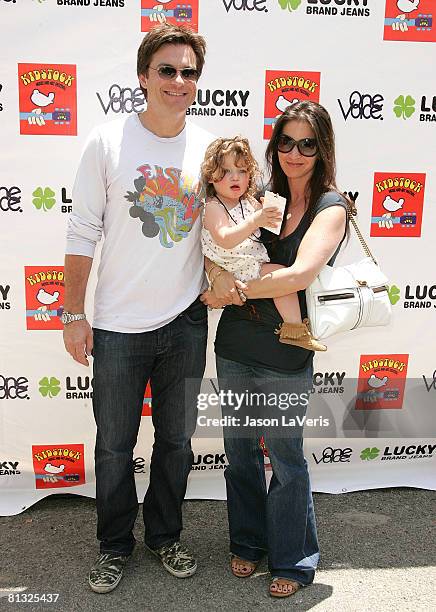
(225, 290)
(209, 299)
(78, 340)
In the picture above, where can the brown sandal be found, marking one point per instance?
(278, 583)
(250, 566)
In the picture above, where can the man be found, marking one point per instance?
(137, 184)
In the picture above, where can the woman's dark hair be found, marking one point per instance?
(323, 177)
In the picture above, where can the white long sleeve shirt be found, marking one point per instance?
(141, 192)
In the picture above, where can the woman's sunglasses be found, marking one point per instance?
(168, 73)
(306, 146)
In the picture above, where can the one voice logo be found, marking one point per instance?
(12, 388)
(362, 106)
(430, 383)
(122, 100)
(334, 455)
(10, 199)
(246, 5)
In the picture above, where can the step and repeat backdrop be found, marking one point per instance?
(68, 65)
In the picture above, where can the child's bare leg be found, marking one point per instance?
(293, 330)
(287, 305)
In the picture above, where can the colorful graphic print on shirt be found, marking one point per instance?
(166, 202)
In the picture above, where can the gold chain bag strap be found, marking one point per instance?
(343, 298)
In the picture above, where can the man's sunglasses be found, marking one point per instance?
(306, 146)
(168, 73)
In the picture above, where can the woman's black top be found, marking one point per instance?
(246, 333)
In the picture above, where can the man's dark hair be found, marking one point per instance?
(167, 34)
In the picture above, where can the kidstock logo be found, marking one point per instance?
(362, 106)
(220, 102)
(10, 199)
(12, 388)
(334, 455)
(283, 88)
(409, 20)
(154, 12)
(58, 466)
(246, 5)
(381, 383)
(122, 100)
(344, 8)
(44, 296)
(397, 204)
(48, 99)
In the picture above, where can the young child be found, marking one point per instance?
(231, 237)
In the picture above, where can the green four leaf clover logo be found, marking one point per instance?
(394, 294)
(404, 107)
(368, 454)
(291, 5)
(49, 387)
(43, 198)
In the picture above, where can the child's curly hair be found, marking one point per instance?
(212, 169)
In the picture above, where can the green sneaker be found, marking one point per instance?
(107, 572)
(176, 559)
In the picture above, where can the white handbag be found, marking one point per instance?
(348, 297)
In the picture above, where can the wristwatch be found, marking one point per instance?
(67, 317)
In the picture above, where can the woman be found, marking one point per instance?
(279, 521)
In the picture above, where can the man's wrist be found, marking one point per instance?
(68, 317)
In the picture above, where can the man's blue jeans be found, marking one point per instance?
(122, 365)
(279, 521)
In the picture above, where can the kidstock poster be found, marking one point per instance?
(68, 65)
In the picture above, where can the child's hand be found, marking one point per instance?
(268, 217)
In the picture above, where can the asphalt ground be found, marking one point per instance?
(378, 554)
